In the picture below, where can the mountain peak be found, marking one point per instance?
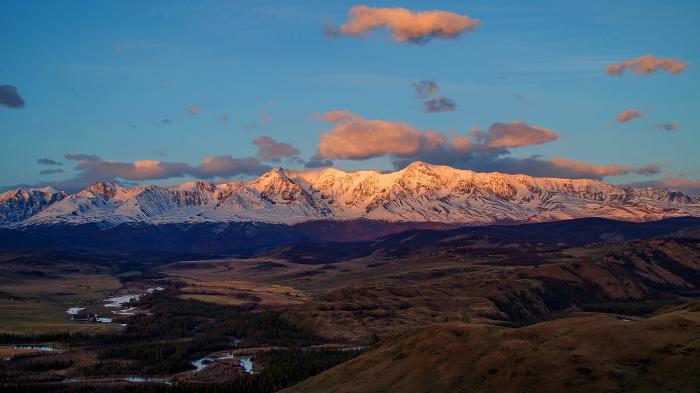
(420, 192)
(101, 188)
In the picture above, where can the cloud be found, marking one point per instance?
(628, 115)
(315, 162)
(440, 104)
(356, 138)
(599, 171)
(91, 168)
(425, 89)
(137, 170)
(47, 161)
(514, 134)
(216, 166)
(647, 64)
(227, 166)
(668, 126)
(265, 115)
(405, 26)
(51, 171)
(272, 151)
(81, 157)
(536, 166)
(678, 183)
(9, 97)
(194, 109)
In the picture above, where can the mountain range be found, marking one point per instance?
(418, 193)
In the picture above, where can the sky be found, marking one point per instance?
(164, 92)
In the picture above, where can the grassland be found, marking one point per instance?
(584, 354)
(38, 305)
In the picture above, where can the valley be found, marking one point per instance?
(268, 321)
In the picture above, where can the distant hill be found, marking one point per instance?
(580, 354)
(322, 239)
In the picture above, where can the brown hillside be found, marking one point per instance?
(584, 354)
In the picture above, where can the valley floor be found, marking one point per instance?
(436, 311)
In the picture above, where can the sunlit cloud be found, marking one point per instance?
(356, 138)
(647, 64)
(515, 134)
(406, 26)
(628, 115)
(9, 97)
(91, 168)
(269, 150)
(599, 171)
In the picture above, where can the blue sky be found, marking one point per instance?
(99, 78)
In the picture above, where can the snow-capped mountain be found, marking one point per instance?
(418, 193)
(19, 204)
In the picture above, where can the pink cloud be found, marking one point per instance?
(356, 138)
(92, 168)
(515, 134)
(628, 115)
(405, 25)
(648, 64)
(273, 151)
(194, 110)
(598, 171)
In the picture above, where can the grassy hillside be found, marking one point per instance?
(583, 354)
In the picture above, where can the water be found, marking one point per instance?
(247, 364)
(118, 301)
(142, 379)
(75, 310)
(36, 348)
(245, 361)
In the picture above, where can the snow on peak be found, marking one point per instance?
(419, 192)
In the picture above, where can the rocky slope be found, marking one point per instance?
(19, 204)
(418, 193)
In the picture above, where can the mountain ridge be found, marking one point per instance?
(418, 193)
